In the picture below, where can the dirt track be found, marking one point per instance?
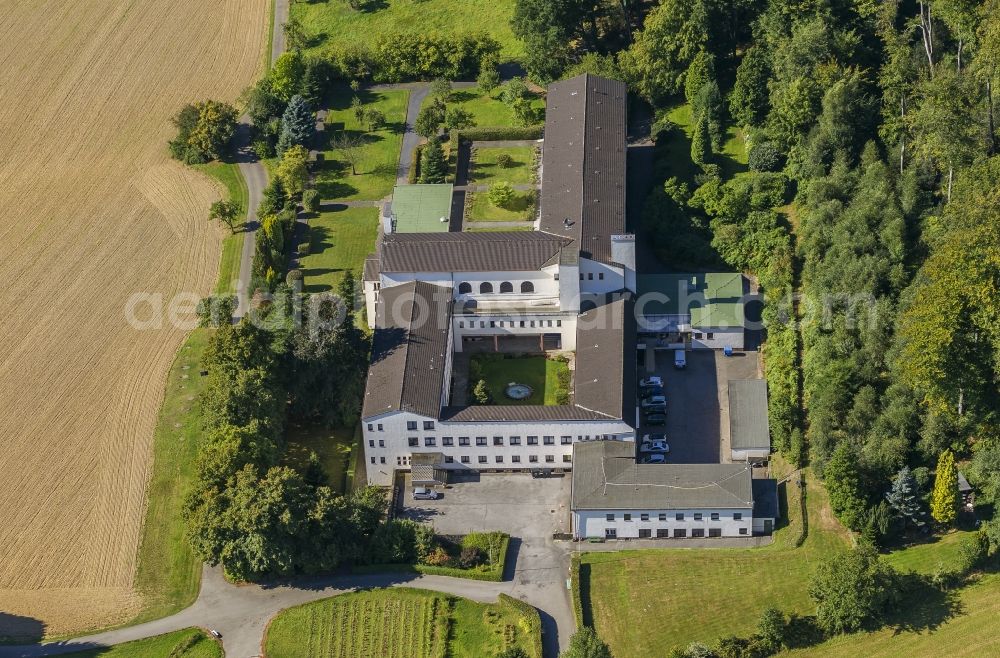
(93, 212)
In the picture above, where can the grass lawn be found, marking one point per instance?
(168, 574)
(396, 623)
(229, 176)
(927, 557)
(732, 160)
(339, 241)
(479, 208)
(485, 171)
(332, 446)
(538, 372)
(485, 108)
(335, 24)
(187, 643)
(379, 155)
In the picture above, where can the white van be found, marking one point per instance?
(680, 359)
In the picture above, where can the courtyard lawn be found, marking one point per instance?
(479, 209)
(335, 24)
(485, 170)
(187, 643)
(168, 573)
(486, 109)
(339, 240)
(398, 623)
(332, 446)
(536, 371)
(377, 157)
(229, 176)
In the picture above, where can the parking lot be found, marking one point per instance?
(697, 426)
(516, 503)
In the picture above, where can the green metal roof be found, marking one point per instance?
(713, 299)
(419, 208)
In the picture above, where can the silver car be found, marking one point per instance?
(423, 493)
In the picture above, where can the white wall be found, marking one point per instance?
(598, 278)
(594, 523)
(721, 337)
(754, 454)
(482, 324)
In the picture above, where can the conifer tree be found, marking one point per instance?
(701, 142)
(904, 498)
(944, 498)
(433, 166)
(297, 124)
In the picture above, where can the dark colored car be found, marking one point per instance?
(650, 391)
(658, 418)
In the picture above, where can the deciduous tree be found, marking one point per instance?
(226, 211)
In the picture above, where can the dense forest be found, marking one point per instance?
(868, 214)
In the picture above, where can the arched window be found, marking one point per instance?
(485, 287)
(527, 286)
(464, 288)
(506, 286)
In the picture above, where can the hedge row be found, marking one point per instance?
(414, 174)
(534, 620)
(497, 133)
(403, 57)
(494, 575)
(574, 583)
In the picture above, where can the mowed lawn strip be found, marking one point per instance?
(486, 171)
(377, 158)
(168, 573)
(228, 174)
(384, 623)
(187, 643)
(335, 24)
(339, 240)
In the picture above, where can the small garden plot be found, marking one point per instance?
(486, 109)
(514, 164)
(374, 156)
(516, 207)
(490, 376)
(339, 240)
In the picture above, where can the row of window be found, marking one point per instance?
(486, 287)
(482, 459)
(447, 441)
(590, 276)
(510, 323)
(647, 533)
(679, 516)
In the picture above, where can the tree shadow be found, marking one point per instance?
(923, 606)
(20, 629)
(464, 95)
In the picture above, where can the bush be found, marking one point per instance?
(304, 249)
(504, 161)
(263, 149)
(413, 175)
(501, 194)
(974, 551)
(310, 200)
(398, 57)
(470, 557)
(293, 276)
(765, 156)
(531, 618)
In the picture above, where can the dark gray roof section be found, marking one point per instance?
(511, 413)
(583, 163)
(371, 268)
(963, 484)
(604, 380)
(409, 349)
(607, 477)
(513, 251)
(765, 499)
(748, 427)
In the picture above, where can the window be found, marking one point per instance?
(680, 532)
(533, 459)
(493, 324)
(532, 323)
(697, 516)
(697, 532)
(464, 288)
(532, 440)
(679, 516)
(498, 440)
(381, 443)
(515, 459)
(499, 459)
(628, 517)
(558, 323)
(581, 276)
(522, 324)
(373, 460)
(743, 531)
(463, 440)
(609, 517)
(662, 532)
(644, 517)
(370, 427)
(429, 441)
(411, 424)
(645, 533)
(447, 441)
(461, 325)
(710, 335)
(428, 424)
(600, 276)
(413, 441)
(482, 324)
(506, 286)
(515, 440)
(380, 427)
(448, 459)
(482, 459)
(549, 440)
(663, 517)
(556, 276)
(527, 286)
(610, 533)
(737, 516)
(697, 335)
(465, 459)
(565, 440)
(371, 443)
(590, 276)
(480, 440)
(715, 516)
(567, 458)
(485, 287)
(715, 532)
(550, 459)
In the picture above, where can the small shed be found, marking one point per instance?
(749, 436)
(765, 505)
(965, 493)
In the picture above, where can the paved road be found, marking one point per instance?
(410, 138)
(278, 37)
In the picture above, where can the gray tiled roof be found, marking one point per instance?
(748, 414)
(371, 268)
(501, 413)
(765, 498)
(409, 349)
(583, 163)
(513, 251)
(606, 476)
(605, 372)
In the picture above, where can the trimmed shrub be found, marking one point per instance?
(414, 174)
(504, 161)
(293, 276)
(501, 194)
(304, 249)
(531, 616)
(497, 133)
(310, 200)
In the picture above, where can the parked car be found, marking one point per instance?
(544, 473)
(658, 418)
(650, 391)
(654, 446)
(651, 381)
(423, 493)
(655, 458)
(654, 401)
(656, 409)
(680, 359)
(216, 634)
(653, 437)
